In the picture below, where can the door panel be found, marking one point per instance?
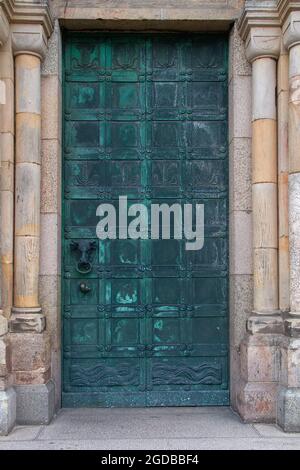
(145, 322)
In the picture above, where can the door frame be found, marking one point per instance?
(209, 397)
(239, 131)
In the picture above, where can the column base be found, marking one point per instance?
(35, 403)
(289, 409)
(260, 367)
(260, 323)
(292, 325)
(27, 320)
(256, 402)
(7, 411)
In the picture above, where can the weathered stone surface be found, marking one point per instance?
(27, 214)
(240, 107)
(28, 135)
(27, 322)
(7, 286)
(30, 352)
(284, 274)
(241, 281)
(257, 402)
(292, 326)
(7, 411)
(3, 356)
(265, 275)
(53, 318)
(7, 214)
(225, 10)
(3, 377)
(49, 288)
(289, 409)
(28, 77)
(263, 47)
(29, 39)
(235, 372)
(291, 31)
(52, 63)
(283, 73)
(241, 304)
(50, 229)
(51, 107)
(7, 176)
(3, 325)
(264, 199)
(56, 375)
(51, 182)
(260, 358)
(35, 403)
(283, 167)
(240, 242)
(26, 272)
(142, 3)
(7, 145)
(32, 377)
(238, 63)
(240, 174)
(263, 43)
(6, 235)
(265, 324)
(52, 311)
(2, 92)
(288, 414)
(294, 62)
(264, 88)
(7, 117)
(6, 63)
(264, 150)
(283, 162)
(294, 220)
(290, 363)
(294, 120)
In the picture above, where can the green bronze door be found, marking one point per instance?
(145, 322)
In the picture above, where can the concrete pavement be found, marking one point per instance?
(151, 428)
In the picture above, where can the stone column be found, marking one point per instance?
(259, 365)
(27, 311)
(264, 182)
(29, 339)
(289, 395)
(7, 393)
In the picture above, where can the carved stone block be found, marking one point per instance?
(27, 323)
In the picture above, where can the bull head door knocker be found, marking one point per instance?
(84, 250)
